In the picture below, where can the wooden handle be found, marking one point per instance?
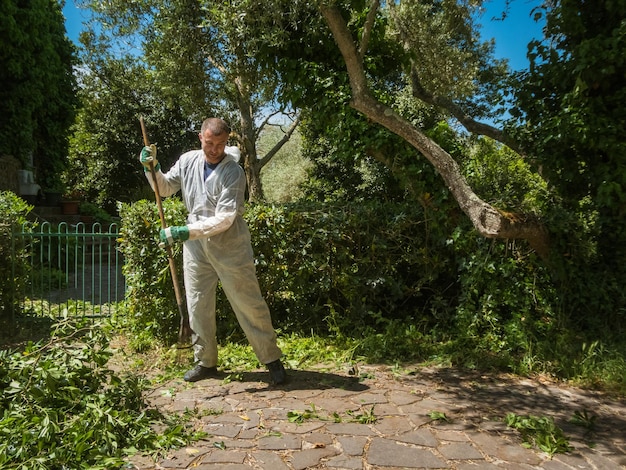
(146, 141)
(184, 330)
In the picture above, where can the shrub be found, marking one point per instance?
(392, 285)
(13, 271)
(340, 267)
(506, 300)
(334, 268)
(151, 304)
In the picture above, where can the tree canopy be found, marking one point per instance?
(570, 112)
(200, 58)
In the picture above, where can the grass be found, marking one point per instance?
(164, 363)
(332, 353)
(540, 432)
(592, 364)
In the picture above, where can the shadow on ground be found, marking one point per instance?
(296, 380)
(588, 418)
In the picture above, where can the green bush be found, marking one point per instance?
(341, 267)
(336, 268)
(507, 301)
(394, 286)
(14, 271)
(151, 308)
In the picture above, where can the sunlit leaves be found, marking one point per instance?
(539, 431)
(63, 407)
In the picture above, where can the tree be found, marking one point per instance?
(203, 57)
(413, 50)
(37, 86)
(106, 139)
(569, 109)
(488, 220)
(419, 52)
(569, 121)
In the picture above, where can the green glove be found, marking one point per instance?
(170, 235)
(147, 156)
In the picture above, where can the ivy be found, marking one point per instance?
(37, 87)
(574, 132)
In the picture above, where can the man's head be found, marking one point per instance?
(213, 138)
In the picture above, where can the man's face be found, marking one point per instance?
(213, 146)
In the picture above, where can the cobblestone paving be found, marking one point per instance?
(383, 419)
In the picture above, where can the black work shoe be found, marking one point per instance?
(200, 373)
(277, 372)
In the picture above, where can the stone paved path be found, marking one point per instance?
(328, 418)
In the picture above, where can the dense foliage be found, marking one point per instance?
(37, 86)
(381, 276)
(404, 288)
(573, 123)
(320, 269)
(151, 307)
(329, 268)
(106, 136)
(63, 407)
(14, 271)
(197, 59)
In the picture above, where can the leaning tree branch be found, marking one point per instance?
(367, 28)
(471, 124)
(487, 220)
(266, 121)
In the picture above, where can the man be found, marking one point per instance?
(216, 247)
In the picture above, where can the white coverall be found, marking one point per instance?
(218, 247)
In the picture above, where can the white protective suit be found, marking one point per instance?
(218, 247)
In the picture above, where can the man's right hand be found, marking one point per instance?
(148, 156)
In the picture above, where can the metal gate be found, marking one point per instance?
(72, 270)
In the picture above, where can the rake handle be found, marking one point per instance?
(184, 331)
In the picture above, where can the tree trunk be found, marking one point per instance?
(250, 132)
(251, 164)
(488, 220)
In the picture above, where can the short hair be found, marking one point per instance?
(216, 126)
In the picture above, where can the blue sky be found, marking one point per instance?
(74, 18)
(511, 34)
